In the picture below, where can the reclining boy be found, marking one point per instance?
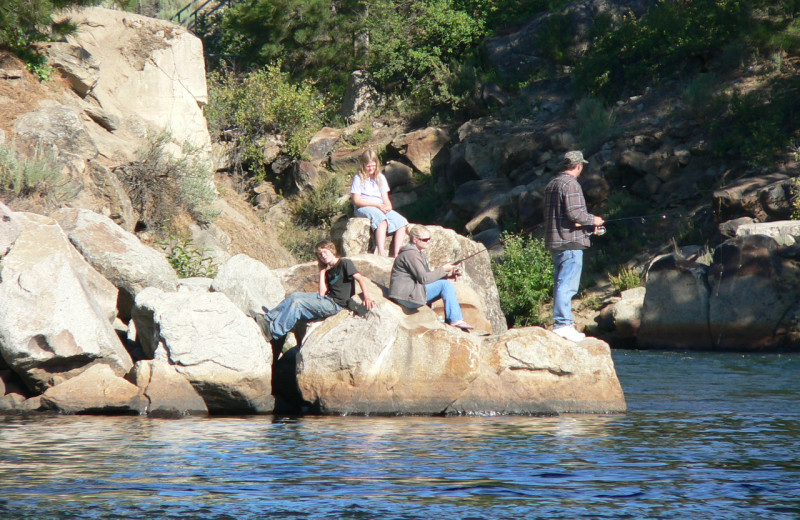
(337, 278)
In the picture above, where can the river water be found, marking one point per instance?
(707, 436)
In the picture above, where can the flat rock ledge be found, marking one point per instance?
(416, 365)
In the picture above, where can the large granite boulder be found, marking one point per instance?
(98, 390)
(10, 229)
(421, 147)
(754, 302)
(60, 126)
(56, 311)
(675, 307)
(143, 70)
(168, 392)
(117, 254)
(414, 364)
(211, 343)
(249, 284)
(746, 300)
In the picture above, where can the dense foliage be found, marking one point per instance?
(669, 38)
(310, 38)
(423, 51)
(524, 277)
(250, 107)
(25, 22)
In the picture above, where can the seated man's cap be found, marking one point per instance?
(574, 158)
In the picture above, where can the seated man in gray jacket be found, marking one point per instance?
(413, 284)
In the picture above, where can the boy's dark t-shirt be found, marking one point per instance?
(340, 282)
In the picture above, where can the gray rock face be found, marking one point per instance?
(76, 64)
(249, 284)
(746, 300)
(627, 313)
(9, 229)
(416, 365)
(210, 342)
(168, 393)
(421, 147)
(675, 308)
(97, 390)
(785, 232)
(360, 97)
(518, 55)
(57, 125)
(753, 196)
(117, 254)
(322, 144)
(55, 310)
(754, 303)
(113, 199)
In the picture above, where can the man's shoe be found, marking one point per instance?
(264, 322)
(569, 332)
(463, 325)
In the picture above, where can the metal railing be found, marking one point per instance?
(189, 13)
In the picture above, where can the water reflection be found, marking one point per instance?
(677, 457)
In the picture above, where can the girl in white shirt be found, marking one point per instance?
(370, 193)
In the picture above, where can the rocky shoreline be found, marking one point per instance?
(72, 343)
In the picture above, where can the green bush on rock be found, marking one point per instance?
(524, 278)
(245, 109)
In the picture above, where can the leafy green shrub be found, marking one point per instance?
(524, 277)
(414, 46)
(161, 185)
(701, 96)
(323, 204)
(626, 278)
(595, 123)
(669, 38)
(248, 108)
(310, 38)
(555, 40)
(499, 15)
(757, 124)
(37, 175)
(795, 187)
(186, 259)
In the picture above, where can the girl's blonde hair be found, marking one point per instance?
(366, 158)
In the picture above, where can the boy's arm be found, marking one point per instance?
(363, 282)
(323, 287)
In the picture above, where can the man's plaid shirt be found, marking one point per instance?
(564, 207)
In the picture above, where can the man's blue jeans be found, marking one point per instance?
(445, 290)
(567, 266)
(306, 306)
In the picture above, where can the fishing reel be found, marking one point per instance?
(599, 231)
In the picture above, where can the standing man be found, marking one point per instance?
(567, 235)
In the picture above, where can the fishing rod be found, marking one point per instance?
(601, 229)
(493, 244)
(598, 231)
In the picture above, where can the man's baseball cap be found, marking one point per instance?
(573, 159)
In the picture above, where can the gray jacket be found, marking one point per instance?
(410, 274)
